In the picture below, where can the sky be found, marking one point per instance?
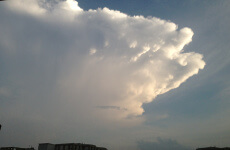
(122, 74)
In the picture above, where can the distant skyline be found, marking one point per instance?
(128, 75)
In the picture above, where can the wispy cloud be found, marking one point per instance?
(112, 107)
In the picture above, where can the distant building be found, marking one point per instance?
(16, 148)
(213, 148)
(69, 146)
(46, 146)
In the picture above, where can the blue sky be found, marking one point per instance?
(36, 77)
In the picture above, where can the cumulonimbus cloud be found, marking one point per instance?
(101, 58)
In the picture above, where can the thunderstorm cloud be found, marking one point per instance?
(94, 63)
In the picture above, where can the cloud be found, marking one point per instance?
(162, 144)
(62, 63)
(112, 107)
(103, 56)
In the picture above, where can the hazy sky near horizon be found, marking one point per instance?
(121, 74)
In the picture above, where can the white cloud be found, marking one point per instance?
(97, 66)
(133, 59)
(27, 6)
